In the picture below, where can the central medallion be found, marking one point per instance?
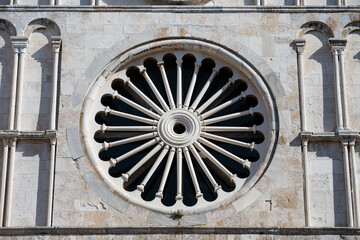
(179, 128)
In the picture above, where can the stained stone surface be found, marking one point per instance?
(265, 39)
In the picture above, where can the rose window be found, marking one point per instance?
(178, 130)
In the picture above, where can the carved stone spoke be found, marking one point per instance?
(187, 140)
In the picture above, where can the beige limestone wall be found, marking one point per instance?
(37, 82)
(352, 71)
(92, 39)
(353, 2)
(319, 81)
(327, 185)
(225, 3)
(30, 183)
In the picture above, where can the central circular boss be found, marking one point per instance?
(179, 127)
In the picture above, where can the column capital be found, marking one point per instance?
(56, 42)
(19, 43)
(305, 142)
(53, 140)
(6, 142)
(300, 45)
(12, 142)
(352, 141)
(337, 44)
(345, 141)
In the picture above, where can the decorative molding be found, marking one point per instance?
(263, 231)
(19, 43)
(329, 136)
(33, 135)
(185, 9)
(178, 2)
(337, 44)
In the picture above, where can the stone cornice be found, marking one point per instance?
(33, 135)
(65, 231)
(184, 9)
(329, 136)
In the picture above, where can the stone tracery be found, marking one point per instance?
(179, 124)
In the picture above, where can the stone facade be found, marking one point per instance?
(307, 55)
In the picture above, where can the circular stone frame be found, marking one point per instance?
(246, 189)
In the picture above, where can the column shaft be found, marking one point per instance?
(355, 183)
(56, 48)
(178, 84)
(306, 183)
(13, 90)
(3, 180)
(10, 184)
(349, 206)
(340, 125)
(20, 84)
(51, 182)
(343, 91)
(301, 88)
